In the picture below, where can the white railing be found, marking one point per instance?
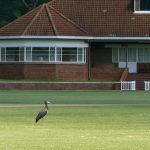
(128, 85)
(147, 85)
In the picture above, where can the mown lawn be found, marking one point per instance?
(105, 127)
(74, 97)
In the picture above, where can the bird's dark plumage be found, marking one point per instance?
(42, 113)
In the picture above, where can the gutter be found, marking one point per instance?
(89, 38)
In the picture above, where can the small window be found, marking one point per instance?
(142, 5)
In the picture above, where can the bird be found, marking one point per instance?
(43, 112)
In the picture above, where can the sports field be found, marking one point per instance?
(77, 120)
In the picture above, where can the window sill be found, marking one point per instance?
(142, 12)
(42, 62)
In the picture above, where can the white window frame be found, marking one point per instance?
(0, 54)
(84, 55)
(58, 49)
(28, 55)
(139, 11)
(4, 53)
(25, 54)
(50, 49)
(29, 49)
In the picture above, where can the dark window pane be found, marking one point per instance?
(69, 54)
(12, 54)
(145, 5)
(40, 54)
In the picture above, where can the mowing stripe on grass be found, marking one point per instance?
(67, 105)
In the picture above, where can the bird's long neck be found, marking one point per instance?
(46, 106)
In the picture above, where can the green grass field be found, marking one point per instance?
(74, 97)
(122, 122)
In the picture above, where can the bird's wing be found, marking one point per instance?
(41, 114)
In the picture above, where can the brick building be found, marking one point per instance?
(78, 40)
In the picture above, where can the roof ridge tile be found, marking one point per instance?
(32, 21)
(73, 23)
(51, 20)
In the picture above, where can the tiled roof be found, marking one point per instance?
(43, 20)
(105, 17)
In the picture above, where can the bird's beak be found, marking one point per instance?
(48, 102)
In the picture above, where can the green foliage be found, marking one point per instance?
(12, 9)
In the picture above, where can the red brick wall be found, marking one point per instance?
(72, 72)
(40, 71)
(44, 71)
(12, 71)
(61, 86)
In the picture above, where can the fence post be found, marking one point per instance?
(128, 85)
(133, 85)
(147, 85)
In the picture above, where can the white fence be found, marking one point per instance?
(147, 85)
(128, 85)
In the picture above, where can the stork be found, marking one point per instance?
(43, 112)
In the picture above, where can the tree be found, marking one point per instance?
(12, 9)
(30, 4)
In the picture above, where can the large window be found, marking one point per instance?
(142, 5)
(141, 55)
(42, 54)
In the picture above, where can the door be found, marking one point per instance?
(132, 66)
(127, 59)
